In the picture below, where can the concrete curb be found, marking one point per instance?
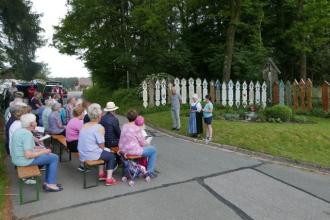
(256, 155)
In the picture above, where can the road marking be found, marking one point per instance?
(137, 192)
(291, 185)
(230, 205)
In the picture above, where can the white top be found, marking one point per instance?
(13, 127)
(198, 106)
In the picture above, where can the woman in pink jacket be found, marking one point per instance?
(134, 143)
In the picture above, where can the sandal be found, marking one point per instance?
(48, 189)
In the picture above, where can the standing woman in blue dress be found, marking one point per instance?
(195, 117)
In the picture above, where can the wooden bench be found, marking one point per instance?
(24, 173)
(62, 141)
(91, 164)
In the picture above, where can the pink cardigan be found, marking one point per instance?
(131, 139)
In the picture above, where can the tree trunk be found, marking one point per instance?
(303, 56)
(303, 66)
(235, 8)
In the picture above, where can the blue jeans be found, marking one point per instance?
(50, 162)
(151, 153)
(109, 159)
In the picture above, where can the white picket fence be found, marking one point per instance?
(226, 94)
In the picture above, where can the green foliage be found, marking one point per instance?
(20, 37)
(188, 38)
(124, 98)
(3, 176)
(277, 112)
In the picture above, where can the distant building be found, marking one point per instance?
(84, 83)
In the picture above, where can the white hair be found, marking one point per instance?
(94, 110)
(79, 102)
(27, 119)
(56, 106)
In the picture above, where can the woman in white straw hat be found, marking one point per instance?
(111, 125)
(195, 117)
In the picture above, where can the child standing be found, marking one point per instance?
(207, 113)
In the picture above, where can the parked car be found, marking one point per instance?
(49, 88)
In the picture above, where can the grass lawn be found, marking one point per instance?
(301, 142)
(3, 180)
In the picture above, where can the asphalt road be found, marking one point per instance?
(195, 181)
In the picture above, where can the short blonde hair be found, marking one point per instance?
(94, 111)
(27, 119)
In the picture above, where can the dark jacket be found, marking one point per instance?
(112, 130)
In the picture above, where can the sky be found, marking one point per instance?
(60, 65)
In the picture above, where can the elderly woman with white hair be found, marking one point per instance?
(91, 145)
(25, 153)
(195, 117)
(55, 125)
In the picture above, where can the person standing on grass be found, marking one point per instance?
(195, 126)
(175, 110)
(208, 113)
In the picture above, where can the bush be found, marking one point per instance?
(283, 113)
(125, 99)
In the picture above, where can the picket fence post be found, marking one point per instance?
(257, 94)
(224, 94)
(244, 94)
(217, 93)
(157, 92)
(325, 96)
(302, 86)
(184, 91)
(199, 87)
(163, 91)
(238, 94)
(191, 88)
(145, 94)
(251, 93)
(231, 93)
(264, 95)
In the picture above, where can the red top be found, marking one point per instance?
(31, 91)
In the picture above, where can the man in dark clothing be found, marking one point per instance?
(111, 126)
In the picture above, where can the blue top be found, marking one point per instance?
(90, 136)
(207, 107)
(54, 120)
(45, 115)
(22, 141)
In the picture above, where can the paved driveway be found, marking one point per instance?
(195, 181)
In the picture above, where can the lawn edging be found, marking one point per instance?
(257, 155)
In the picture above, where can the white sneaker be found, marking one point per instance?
(207, 140)
(30, 181)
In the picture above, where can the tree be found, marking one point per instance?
(235, 12)
(20, 37)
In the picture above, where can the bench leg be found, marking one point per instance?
(85, 177)
(69, 155)
(21, 191)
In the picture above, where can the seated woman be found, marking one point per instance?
(91, 145)
(73, 128)
(25, 153)
(55, 125)
(133, 142)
